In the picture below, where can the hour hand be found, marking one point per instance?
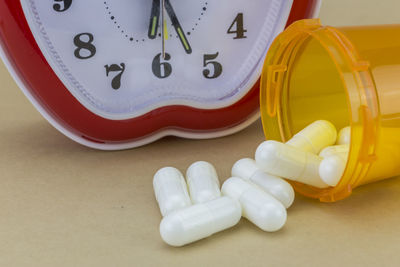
(154, 19)
(178, 27)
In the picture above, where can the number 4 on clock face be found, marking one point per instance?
(237, 27)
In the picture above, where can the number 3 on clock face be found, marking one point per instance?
(109, 53)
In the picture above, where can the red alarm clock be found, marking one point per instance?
(117, 74)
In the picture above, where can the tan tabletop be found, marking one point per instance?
(62, 204)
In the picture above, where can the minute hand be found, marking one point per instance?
(178, 27)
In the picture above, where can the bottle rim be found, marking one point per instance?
(361, 95)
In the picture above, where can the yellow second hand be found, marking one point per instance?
(164, 27)
(165, 30)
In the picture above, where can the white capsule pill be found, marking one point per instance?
(203, 182)
(200, 221)
(344, 136)
(258, 206)
(315, 137)
(170, 190)
(289, 162)
(333, 150)
(332, 168)
(247, 169)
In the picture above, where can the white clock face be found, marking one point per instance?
(109, 53)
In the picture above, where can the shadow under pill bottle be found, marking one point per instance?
(347, 75)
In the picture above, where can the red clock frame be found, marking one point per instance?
(32, 69)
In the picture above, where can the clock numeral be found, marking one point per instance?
(62, 5)
(208, 60)
(116, 81)
(85, 48)
(237, 27)
(162, 69)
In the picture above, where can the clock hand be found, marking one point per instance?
(154, 19)
(178, 27)
(164, 28)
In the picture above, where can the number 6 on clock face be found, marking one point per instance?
(155, 65)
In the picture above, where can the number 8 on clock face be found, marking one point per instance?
(123, 60)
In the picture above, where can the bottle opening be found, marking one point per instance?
(313, 73)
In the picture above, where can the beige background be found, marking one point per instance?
(62, 204)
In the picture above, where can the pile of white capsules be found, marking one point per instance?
(316, 156)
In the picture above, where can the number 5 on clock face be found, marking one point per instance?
(121, 73)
